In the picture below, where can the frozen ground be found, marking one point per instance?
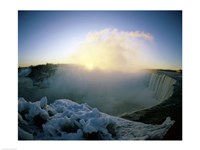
(67, 120)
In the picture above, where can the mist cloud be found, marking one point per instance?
(111, 49)
(111, 92)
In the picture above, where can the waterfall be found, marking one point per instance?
(161, 85)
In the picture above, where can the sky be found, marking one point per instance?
(110, 40)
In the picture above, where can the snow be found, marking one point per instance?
(24, 72)
(35, 109)
(22, 105)
(67, 120)
(139, 131)
(43, 102)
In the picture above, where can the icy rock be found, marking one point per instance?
(50, 130)
(94, 113)
(61, 105)
(72, 136)
(72, 121)
(167, 121)
(23, 105)
(23, 135)
(35, 111)
(50, 110)
(21, 121)
(24, 72)
(95, 125)
(43, 102)
(131, 130)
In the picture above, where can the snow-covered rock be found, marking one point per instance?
(23, 105)
(67, 120)
(24, 72)
(24, 135)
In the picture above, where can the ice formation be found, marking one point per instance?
(24, 72)
(67, 120)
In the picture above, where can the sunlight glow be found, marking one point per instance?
(113, 50)
(89, 67)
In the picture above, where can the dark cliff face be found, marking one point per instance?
(41, 72)
(171, 107)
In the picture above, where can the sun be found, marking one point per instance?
(89, 66)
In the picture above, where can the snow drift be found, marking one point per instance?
(67, 120)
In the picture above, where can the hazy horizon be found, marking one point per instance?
(25, 66)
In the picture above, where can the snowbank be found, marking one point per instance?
(67, 120)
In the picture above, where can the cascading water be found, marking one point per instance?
(161, 85)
